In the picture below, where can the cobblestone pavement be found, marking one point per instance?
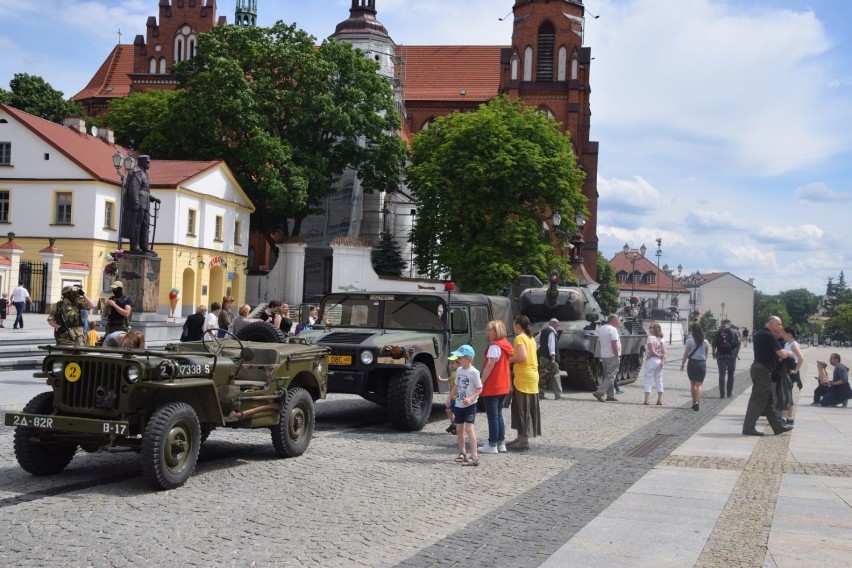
(363, 494)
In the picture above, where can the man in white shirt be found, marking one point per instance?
(211, 320)
(610, 356)
(20, 297)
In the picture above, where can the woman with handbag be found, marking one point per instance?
(696, 350)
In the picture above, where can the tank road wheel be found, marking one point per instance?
(294, 430)
(261, 332)
(597, 371)
(37, 457)
(170, 445)
(410, 398)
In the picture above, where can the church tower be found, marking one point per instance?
(246, 14)
(547, 67)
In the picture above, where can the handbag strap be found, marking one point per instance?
(694, 350)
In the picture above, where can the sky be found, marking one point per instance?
(725, 126)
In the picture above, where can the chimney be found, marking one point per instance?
(108, 134)
(76, 123)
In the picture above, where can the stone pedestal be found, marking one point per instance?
(141, 278)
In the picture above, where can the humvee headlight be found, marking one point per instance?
(367, 357)
(56, 367)
(132, 373)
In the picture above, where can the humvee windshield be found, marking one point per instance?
(384, 311)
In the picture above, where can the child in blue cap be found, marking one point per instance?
(466, 392)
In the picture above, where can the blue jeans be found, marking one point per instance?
(494, 412)
(19, 314)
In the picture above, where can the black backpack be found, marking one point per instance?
(726, 340)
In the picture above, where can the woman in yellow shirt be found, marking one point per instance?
(526, 416)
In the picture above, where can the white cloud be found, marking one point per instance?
(805, 236)
(706, 219)
(630, 195)
(819, 191)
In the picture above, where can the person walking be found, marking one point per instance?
(695, 351)
(745, 336)
(526, 414)
(610, 342)
(655, 358)
(548, 360)
(726, 351)
(66, 318)
(118, 309)
(20, 297)
(496, 380)
(767, 353)
(839, 391)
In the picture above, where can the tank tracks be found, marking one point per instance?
(586, 373)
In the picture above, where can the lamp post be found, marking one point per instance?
(694, 280)
(658, 254)
(722, 315)
(118, 161)
(633, 257)
(671, 294)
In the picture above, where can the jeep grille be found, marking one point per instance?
(347, 337)
(97, 379)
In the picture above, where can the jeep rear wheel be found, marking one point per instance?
(410, 398)
(170, 445)
(295, 428)
(33, 450)
(261, 332)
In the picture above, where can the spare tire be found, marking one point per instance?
(261, 332)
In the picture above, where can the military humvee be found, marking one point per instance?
(164, 403)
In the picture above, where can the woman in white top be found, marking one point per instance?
(696, 350)
(655, 357)
(785, 398)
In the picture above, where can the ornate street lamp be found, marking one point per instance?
(633, 257)
(119, 160)
(658, 254)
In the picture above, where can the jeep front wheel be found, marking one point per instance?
(33, 450)
(295, 427)
(170, 445)
(410, 398)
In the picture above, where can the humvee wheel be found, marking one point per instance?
(170, 445)
(262, 332)
(295, 428)
(41, 458)
(214, 344)
(410, 398)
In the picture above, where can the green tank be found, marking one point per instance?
(580, 318)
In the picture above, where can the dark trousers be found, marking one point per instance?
(727, 366)
(820, 392)
(494, 412)
(760, 402)
(19, 314)
(832, 398)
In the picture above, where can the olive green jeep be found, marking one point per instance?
(391, 348)
(164, 403)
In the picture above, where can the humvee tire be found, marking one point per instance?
(262, 332)
(294, 431)
(41, 458)
(170, 445)
(410, 398)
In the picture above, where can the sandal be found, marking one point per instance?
(461, 458)
(472, 462)
(659, 403)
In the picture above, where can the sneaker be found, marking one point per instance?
(501, 447)
(730, 395)
(695, 406)
(487, 449)
(611, 399)
(619, 390)
(789, 422)
(451, 429)
(598, 396)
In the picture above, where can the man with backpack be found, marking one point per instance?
(726, 348)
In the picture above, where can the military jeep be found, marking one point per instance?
(390, 348)
(164, 403)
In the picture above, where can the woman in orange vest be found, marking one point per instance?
(496, 379)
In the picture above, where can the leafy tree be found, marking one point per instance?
(709, 323)
(836, 294)
(387, 256)
(841, 324)
(800, 304)
(483, 181)
(287, 117)
(32, 94)
(765, 306)
(140, 120)
(607, 293)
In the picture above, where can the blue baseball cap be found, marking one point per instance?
(464, 351)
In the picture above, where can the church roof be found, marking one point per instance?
(450, 72)
(361, 20)
(112, 79)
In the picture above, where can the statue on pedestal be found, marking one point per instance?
(135, 220)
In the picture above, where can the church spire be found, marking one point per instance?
(362, 19)
(246, 14)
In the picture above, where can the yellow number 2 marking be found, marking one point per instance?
(72, 372)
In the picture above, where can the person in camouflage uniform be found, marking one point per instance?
(65, 317)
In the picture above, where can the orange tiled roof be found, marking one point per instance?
(94, 154)
(112, 79)
(621, 263)
(68, 265)
(442, 72)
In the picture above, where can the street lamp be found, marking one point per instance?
(658, 254)
(633, 258)
(695, 280)
(119, 160)
(671, 294)
(722, 315)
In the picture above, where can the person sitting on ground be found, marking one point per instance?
(839, 393)
(125, 340)
(822, 380)
(241, 320)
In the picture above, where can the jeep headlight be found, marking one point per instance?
(56, 367)
(367, 357)
(132, 374)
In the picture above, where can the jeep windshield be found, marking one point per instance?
(384, 311)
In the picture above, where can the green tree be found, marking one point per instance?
(483, 181)
(140, 120)
(32, 94)
(387, 256)
(709, 323)
(607, 293)
(841, 324)
(765, 306)
(800, 305)
(287, 117)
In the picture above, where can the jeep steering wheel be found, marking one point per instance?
(214, 344)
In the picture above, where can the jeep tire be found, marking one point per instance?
(295, 428)
(410, 398)
(170, 445)
(261, 332)
(41, 457)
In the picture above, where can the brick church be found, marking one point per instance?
(545, 65)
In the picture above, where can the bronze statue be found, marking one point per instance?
(135, 219)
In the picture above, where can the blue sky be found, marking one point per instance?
(725, 126)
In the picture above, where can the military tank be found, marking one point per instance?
(579, 318)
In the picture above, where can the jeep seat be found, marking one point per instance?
(257, 368)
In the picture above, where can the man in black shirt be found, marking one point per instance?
(118, 309)
(767, 353)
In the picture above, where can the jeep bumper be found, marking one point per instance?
(68, 424)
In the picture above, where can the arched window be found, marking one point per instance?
(427, 122)
(528, 53)
(622, 277)
(562, 64)
(190, 46)
(152, 65)
(184, 44)
(574, 66)
(545, 110)
(162, 66)
(515, 63)
(544, 71)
